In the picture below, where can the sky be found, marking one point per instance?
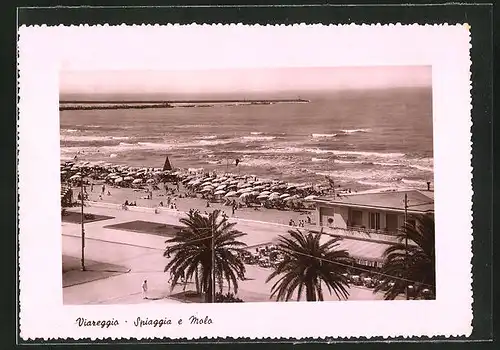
(243, 80)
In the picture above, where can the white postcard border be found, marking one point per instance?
(45, 51)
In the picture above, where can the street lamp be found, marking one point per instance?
(83, 228)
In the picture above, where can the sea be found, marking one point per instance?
(360, 139)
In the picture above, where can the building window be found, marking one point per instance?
(356, 218)
(375, 221)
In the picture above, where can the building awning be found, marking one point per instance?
(364, 250)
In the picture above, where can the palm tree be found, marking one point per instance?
(309, 264)
(192, 252)
(413, 263)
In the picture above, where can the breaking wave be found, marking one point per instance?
(352, 131)
(316, 136)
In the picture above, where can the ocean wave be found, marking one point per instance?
(413, 182)
(263, 162)
(318, 160)
(125, 144)
(323, 135)
(84, 138)
(352, 131)
(420, 167)
(258, 138)
(208, 137)
(120, 137)
(69, 130)
(256, 133)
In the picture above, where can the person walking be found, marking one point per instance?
(144, 289)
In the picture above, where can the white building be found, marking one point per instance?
(369, 221)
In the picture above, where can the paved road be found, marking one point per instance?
(142, 254)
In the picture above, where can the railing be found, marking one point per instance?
(360, 233)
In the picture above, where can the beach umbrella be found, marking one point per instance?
(262, 196)
(310, 198)
(267, 193)
(63, 172)
(223, 178)
(207, 183)
(273, 196)
(255, 193)
(128, 178)
(246, 190)
(258, 187)
(74, 177)
(118, 180)
(231, 194)
(150, 181)
(284, 195)
(291, 187)
(137, 181)
(244, 195)
(221, 187)
(291, 198)
(220, 192)
(206, 190)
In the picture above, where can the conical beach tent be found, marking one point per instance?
(167, 166)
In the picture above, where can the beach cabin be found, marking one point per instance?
(380, 212)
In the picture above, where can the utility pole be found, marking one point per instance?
(406, 242)
(83, 228)
(213, 266)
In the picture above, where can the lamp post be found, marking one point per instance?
(406, 242)
(213, 267)
(83, 228)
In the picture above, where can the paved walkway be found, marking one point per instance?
(142, 254)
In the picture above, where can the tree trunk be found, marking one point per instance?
(310, 295)
(208, 292)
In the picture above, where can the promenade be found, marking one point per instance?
(120, 260)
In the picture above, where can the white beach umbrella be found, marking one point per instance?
(74, 177)
(246, 190)
(223, 178)
(262, 196)
(118, 180)
(267, 193)
(158, 172)
(255, 193)
(221, 187)
(63, 172)
(290, 187)
(284, 195)
(206, 190)
(244, 195)
(137, 181)
(150, 181)
(291, 198)
(273, 196)
(219, 192)
(310, 198)
(128, 178)
(260, 187)
(231, 194)
(207, 183)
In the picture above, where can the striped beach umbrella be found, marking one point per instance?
(137, 181)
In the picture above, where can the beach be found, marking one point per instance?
(119, 195)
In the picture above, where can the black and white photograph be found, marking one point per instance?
(251, 185)
(238, 183)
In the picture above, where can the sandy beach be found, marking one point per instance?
(121, 194)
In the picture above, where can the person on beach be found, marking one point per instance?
(169, 200)
(144, 288)
(208, 204)
(92, 187)
(103, 188)
(109, 193)
(100, 197)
